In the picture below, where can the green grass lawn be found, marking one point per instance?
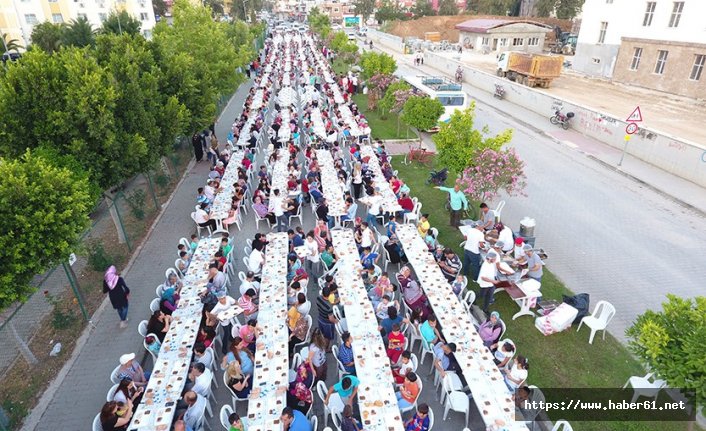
(563, 360)
(382, 128)
(340, 67)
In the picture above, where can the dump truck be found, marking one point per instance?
(533, 70)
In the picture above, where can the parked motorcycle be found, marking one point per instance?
(561, 119)
(499, 92)
(459, 75)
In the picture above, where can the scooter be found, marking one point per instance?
(561, 119)
(499, 92)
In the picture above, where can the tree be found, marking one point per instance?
(388, 101)
(216, 6)
(495, 7)
(458, 141)
(159, 7)
(364, 8)
(47, 36)
(494, 171)
(388, 11)
(422, 113)
(545, 7)
(199, 61)
(448, 7)
(44, 210)
(121, 22)
(568, 9)
(79, 32)
(10, 44)
(319, 23)
(670, 343)
(373, 63)
(422, 8)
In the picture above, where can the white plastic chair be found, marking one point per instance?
(226, 411)
(97, 426)
(154, 305)
(176, 267)
(454, 382)
(562, 425)
(414, 404)
(413, 217)
(413, 334)
(297, 215)
(114, 375)
(142, 328)
(144, 343)
(425, 350)
(169, 271)
(185, 242)
(599, 319)
(305, 308)
(159, 290)
(341, 369)
(233, 396)
(198, 228)
(111, 393)
(498, 210)
(470, 297)
(322, 390)
(314, 421)
(643, 387)
(455, 400)
(415, 361)
(307, 340)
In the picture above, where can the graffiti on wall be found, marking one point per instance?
(679, 146)
(593, 122)
(557, 105)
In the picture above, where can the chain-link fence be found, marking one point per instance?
(67, 295)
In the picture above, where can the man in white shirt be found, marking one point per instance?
(374, 202)
(487, 279)
(312, 255)
(277, 208)
(209, 191)
(471, 254)
(201, 377)
(505, 235)
(249, 283)
(202, 219)
(257, 260)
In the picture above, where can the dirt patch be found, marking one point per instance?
(445, 25)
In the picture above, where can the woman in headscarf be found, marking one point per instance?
(118, 292)
(491, 329)
(198, 146)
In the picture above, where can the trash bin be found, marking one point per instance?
(527, 227)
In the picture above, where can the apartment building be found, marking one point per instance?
(18, 17)
(656, 44)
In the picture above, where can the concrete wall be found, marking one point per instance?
(587, 54)
(677, 70)
(680, 157)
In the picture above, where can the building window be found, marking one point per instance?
(676, 13)
(57, 18)
(517, 41)
(596, 60)
(102, 17)
(601, 34)
(699, 60)
(649, 13)
(661, 61)
(503, 42)
(608, 1)
(486, 41)
(31, 19)
(144, 16)
(636, 55)
(533, 41)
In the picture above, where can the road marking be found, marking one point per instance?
(570, 144)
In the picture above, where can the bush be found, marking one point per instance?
(98, 259)
(162, 181)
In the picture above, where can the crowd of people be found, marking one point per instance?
(278, 126)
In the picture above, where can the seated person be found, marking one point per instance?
(517, 374)
(345, 352)
(402, 367)
(420, 421)
(491, 329)
(347, 389)
(503, 353)
(450, 264)
(408, 391)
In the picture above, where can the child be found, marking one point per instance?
(153, 344)
(194, 242)
(458, 285)
(404, 366)
(381, 309)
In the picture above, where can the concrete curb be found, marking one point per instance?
(33, 419)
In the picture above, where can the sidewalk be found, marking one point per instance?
(71, 402)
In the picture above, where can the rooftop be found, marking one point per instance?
(484, 25)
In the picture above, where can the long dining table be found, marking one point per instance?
(270, 379)
(389, 200)
(158, 406)
(491, 395)
(331, 186)
(222, 203)
(376, 394)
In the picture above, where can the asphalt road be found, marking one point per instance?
(606, 234)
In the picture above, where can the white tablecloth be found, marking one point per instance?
(376, 395)
(222, 203)
(490, 394)
(389, 200)
(330, 184)
(156, 411)
(270, 380)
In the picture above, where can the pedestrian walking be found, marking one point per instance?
(198, 147)
(118, 292)
(458, 202)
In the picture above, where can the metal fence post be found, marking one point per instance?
(73, 281)
(154, 195)
(120, 220)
